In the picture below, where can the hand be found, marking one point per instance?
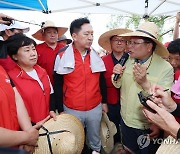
(155, 131)
(28, 148)
(32, 135)
(161, 97)
(40, 123)
(178, 17)
(162, 118)
(53, 115)
(61, 113)
(118, 69)
(139, 72)
(104, 108)
(4, 16)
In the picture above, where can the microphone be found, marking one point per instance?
(122, 61)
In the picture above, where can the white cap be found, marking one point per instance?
(15, 25)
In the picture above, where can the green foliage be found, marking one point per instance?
(133, 21)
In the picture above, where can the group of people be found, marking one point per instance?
(68, 76)
(41, 86)
(144, 69)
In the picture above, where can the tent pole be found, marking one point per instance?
(157, 7)
(44, 9)
(146, 16)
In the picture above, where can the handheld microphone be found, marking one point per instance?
(122, 61)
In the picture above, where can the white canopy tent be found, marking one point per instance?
(138, 7)
(57, 9)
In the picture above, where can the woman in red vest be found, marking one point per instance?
(31, 80)
(13, 114)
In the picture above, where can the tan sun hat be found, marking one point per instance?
(107, 132)
(47, 24)
(69, 139)
(150, 30)
(104, 39)
(173, 146)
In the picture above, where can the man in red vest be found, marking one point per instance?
(47, 51)
(78, 70)
(116, 45)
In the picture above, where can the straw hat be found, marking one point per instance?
(47, 24)
(150, 30)
(104, 39)
(173, 146)
(107, 132)
(63, 37)
(71, 141)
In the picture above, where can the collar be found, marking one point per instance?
(57, 46)
(115, 61)
(67, 62)
(142, 61)
(23, 74)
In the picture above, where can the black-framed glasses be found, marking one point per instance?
(135, 43)
(119, 41)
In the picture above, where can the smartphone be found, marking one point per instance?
(143, 97)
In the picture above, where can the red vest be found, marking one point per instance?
(7, 63)
(35, 99)
(81, 90)
(8, 118)
(112, 92)
(46, 57)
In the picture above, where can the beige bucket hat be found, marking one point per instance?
(47, 24)
(66, 136)
(150, 30)
(104, 39)
(107, 132)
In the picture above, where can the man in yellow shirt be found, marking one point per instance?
(144, 67)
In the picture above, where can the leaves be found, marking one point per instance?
(133, 21)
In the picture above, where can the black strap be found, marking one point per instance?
(50, 133)
(138, 30)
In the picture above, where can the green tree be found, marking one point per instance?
(133, 21)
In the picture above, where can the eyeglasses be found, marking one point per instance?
(119, 41)
(135, 43)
